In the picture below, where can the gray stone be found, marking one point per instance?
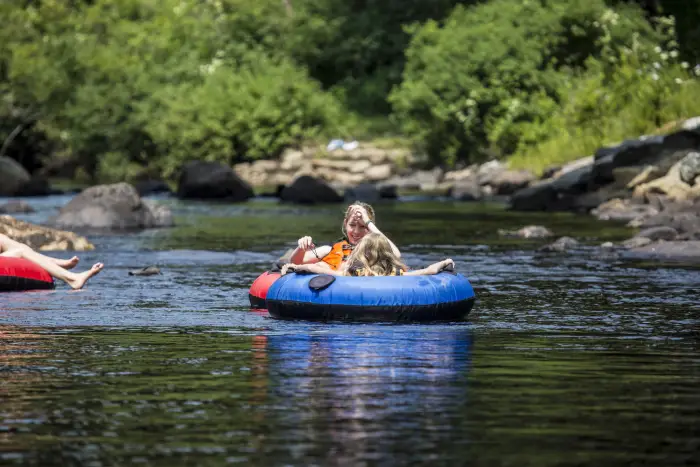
(42, 238)
(366, 192)
(111, 207)
(212, 180)
(12, 176)
(540, 197)
(683, 221)
(147, 271)
(670, 251)
(530, 231)
(560, 245)
(16, 207)
(659, 233)
(466, 190)
(636, 242)
(309, 190)
(690, 168)
(507, 182)
(623, 210)
(379, 172)
(691, 124)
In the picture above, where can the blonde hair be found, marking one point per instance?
(375, 256)
(348, 211)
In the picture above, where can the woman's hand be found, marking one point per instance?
(287, 268)
(360, 213)
(306, 243)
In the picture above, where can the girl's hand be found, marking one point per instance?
(287, 268)
(447, 265)
(306, 243)
(444, 265)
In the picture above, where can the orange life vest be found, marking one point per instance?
(338, 254)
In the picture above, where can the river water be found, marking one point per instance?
(567, 359)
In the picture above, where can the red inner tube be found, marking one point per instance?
(18, 274)
(258, 291)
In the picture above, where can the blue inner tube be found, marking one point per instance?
(441, 297)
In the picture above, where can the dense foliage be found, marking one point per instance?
(132, 87)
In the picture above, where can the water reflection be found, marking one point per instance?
(126, 395)
(370, 395)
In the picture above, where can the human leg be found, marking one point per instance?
(75, 280)
(7, 244)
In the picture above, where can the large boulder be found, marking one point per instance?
(661, 151)
(212, 180)
(12, 176)
(42, 238)
(555, 194)
(309, 190)
(111, 207)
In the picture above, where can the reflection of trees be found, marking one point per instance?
(19, 349)
(359, 396)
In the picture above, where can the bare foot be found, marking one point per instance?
(68, 263)
(79, 280)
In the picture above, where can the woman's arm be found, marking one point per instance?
(372, 227)
(317, 268)
(307, 253)
(444, 265)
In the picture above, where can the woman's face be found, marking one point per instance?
(355, 229)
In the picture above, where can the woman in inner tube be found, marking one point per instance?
(357, 223)
(373, 256)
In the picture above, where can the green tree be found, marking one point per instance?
(471, 83)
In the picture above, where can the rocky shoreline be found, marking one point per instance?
(651, 183)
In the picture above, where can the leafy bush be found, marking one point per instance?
(471, 85)
(134, 83)
(247, 113)
(617, 97)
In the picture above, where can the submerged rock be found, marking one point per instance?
(530, 231)
(560, 245)
(147, 271)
